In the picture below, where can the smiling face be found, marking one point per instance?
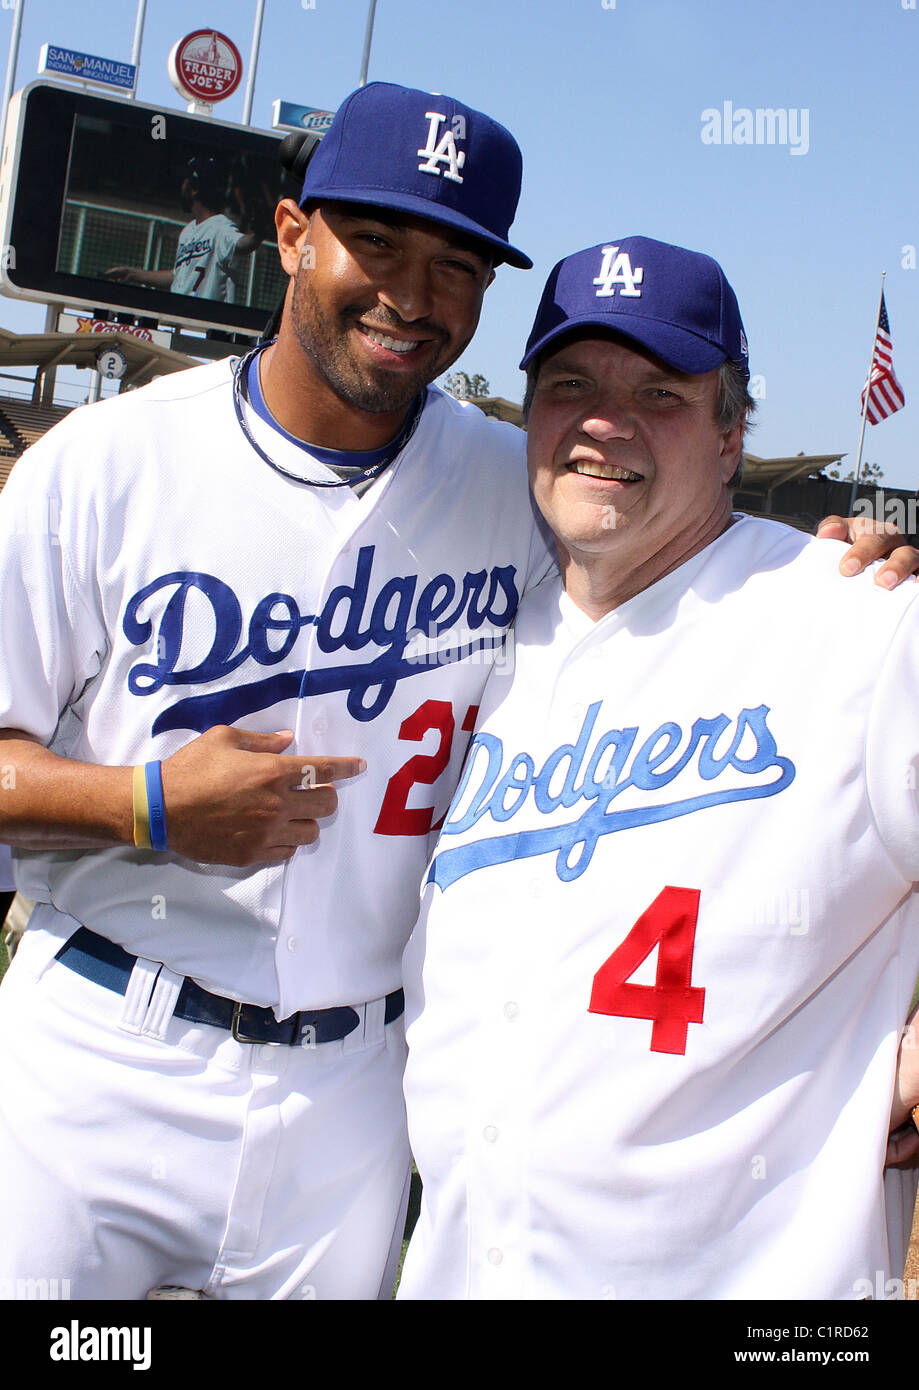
(627, 465)
(383, 302)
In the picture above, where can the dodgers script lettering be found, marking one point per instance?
(486, 794)
(353, 618)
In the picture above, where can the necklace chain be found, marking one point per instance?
(241, 393)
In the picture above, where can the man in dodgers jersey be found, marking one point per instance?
(202, 1042)
(669, 931)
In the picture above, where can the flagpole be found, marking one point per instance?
(861, 437)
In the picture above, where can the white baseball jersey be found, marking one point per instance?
(157, 577)
(204, 259)
(668, 942)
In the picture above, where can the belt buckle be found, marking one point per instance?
(235, 1029)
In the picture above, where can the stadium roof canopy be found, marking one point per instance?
(48, 350)
(766, 474)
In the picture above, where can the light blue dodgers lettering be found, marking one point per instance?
(574, 843)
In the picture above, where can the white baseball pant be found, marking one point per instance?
(140, 1150)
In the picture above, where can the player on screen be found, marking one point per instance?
(211, 248)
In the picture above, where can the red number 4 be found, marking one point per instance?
(673, 1002)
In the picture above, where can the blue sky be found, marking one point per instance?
(606, 102)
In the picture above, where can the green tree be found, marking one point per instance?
(870, 473)
(465, 387)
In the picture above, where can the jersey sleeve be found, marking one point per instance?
(228, 238)
(51, 641)
(892, 750)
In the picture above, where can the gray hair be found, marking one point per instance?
(733, 406)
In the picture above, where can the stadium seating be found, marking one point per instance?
(21, 424)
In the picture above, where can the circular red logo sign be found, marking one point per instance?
(205, 66)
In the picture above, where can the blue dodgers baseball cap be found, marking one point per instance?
(426, 154)
(676, 303)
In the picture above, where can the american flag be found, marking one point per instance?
(885, 394)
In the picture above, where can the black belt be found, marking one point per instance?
(98, 959)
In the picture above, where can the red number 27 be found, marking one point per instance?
(672, 1002)
(396, 816)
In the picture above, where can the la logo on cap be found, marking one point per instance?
(618, 272)
(445, 152)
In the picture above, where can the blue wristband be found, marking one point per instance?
(157, 807)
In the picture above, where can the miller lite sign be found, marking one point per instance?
(205, 66)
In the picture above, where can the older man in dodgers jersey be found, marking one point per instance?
(669, 932)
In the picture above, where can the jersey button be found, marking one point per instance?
(495, 1256)
(490, 1133)
(510, 1011)
(293, 943)
(320, 724)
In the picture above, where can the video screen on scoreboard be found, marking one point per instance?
(156, 212)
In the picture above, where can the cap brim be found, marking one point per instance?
(675, 346)
(431, 212)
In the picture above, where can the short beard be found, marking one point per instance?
(326, 350)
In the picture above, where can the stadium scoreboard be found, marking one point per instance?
(93, 185)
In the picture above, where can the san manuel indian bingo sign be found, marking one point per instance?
(205, 66)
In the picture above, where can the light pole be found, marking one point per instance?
(12, 60)
(368, 36)
(138, 41)
(253, 60)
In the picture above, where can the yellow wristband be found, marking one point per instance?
(915, 1115)
(141, 810)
